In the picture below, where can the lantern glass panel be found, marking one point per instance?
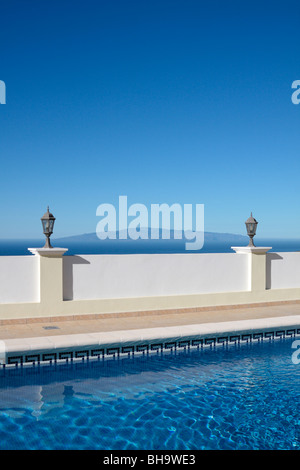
(48, 225)
(51, 225)
(45, 225)
(250, 228)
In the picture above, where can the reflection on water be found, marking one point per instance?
(237, 398)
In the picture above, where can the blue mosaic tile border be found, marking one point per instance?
(159, 347)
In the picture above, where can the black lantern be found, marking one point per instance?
(48, 223)
(251, 225)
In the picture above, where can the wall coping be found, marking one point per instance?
(48, 252)
(251, 249)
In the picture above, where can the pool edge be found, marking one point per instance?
(111, 344)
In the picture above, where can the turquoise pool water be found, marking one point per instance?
(240, 397)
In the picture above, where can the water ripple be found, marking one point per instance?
(244, 398)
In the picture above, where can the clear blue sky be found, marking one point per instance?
(185, 101)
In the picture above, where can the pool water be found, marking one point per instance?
(237, 397)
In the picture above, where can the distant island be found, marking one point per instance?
(89, 243)
(174, 236)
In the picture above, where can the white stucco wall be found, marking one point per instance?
(19, 279)
(90, 277)
(283, 270)
(127, 276)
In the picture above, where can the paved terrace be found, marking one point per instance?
(30, 328)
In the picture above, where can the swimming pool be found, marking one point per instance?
(228, 397)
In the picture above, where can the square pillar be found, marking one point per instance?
(257, 265)
(51, 274)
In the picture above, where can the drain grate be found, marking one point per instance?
(51, 327)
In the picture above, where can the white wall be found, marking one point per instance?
(129, 276)
(19, 279)
(283, 270)
(126, 276)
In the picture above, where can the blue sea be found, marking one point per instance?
(20, 247)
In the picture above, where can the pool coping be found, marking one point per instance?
(128, 343)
